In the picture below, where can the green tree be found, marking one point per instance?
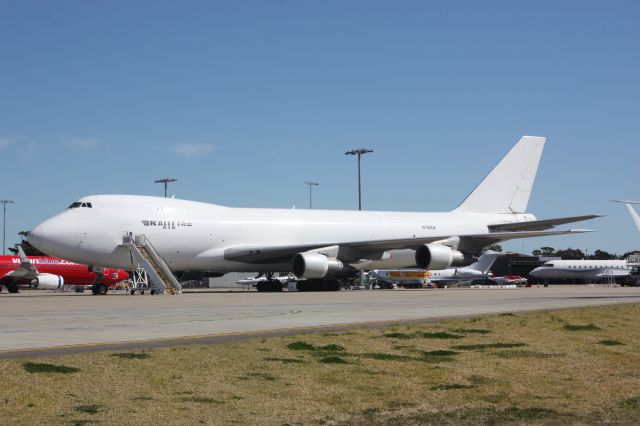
(570, 253)
(602, 255)
(547, 251)
(629, 253)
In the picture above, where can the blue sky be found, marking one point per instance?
(244, 101)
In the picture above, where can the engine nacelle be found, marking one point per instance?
(48, 282)
(315, 265)
(437, 256)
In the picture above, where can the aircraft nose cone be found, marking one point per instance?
(34, 237)
(53, 236)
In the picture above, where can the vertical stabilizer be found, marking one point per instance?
(508, 187)
(485, 262)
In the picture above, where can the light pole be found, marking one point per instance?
(4, 221)
(311, 185)
(166, 181)
(359, 152)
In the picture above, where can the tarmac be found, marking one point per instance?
(39, 323)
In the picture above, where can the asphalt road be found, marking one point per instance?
(43, 323)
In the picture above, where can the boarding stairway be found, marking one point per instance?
(145, 255)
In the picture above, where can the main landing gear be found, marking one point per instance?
(99, 288)
(319, 285)
(269, 285)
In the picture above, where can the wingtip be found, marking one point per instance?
(625, 201)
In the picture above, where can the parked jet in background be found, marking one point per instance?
(479, 269)
(314, 244)
(587, 270)
(50, 273)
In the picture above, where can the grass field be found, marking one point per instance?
(577, 366)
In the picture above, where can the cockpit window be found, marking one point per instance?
(79, 204)
(547, 265)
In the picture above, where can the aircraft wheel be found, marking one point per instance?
(133, 292)
(261, 286)
(12, 288)
(102, 289)
(275, 286)
(302, 286)
(153, 292)
(141, 292)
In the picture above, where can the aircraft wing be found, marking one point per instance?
(26, 270)
(352, 251)
(540, 225)
(632, 212)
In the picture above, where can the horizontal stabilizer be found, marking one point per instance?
(540, 225)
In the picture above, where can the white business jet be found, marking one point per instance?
(318, 245)
(588, 270)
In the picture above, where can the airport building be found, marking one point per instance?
(519, 265)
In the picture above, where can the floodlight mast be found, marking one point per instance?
(166, 181)
(359, 152)
(4, 221)
(311, 185)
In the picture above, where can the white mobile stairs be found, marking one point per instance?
(145, 255)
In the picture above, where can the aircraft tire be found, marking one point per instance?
(302, 285)
(335, 285)
(12, 288)
(276, 286)
(132, 292)
(261, 287)
(94, 289)
(102, 289)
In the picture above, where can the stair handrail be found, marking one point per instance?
(160, 261)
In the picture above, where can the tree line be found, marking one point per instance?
(571, 253)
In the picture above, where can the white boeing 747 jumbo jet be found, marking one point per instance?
(313, 244)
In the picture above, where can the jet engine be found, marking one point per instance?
(315, 265)
(48, 282)
(437, 256)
